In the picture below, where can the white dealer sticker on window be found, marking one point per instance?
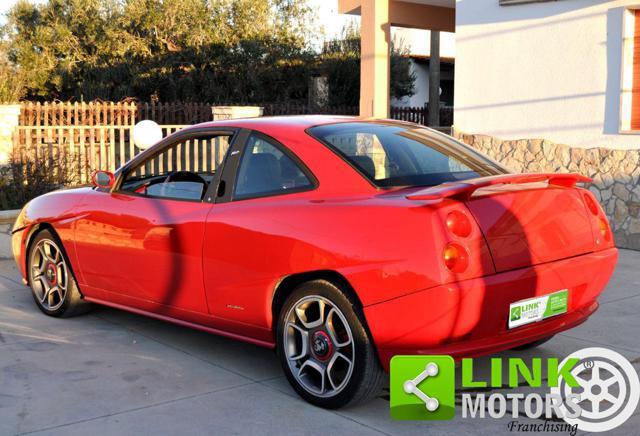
(539, 308)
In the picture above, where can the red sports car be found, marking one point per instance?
(338, 241)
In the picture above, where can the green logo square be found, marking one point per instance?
(422, 387)
(516, 313)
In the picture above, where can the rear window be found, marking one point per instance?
(395, 155)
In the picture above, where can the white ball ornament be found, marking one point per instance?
(146, 133)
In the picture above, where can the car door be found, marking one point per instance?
(249, 234)
(141, 243)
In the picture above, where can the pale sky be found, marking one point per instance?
(5, 5)
(329, 18)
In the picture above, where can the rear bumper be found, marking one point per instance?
(469, 318)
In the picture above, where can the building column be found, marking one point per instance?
(374, 62)
(434, 80)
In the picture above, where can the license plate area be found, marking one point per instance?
(536, 309)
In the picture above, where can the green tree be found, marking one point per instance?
(340, 59)
(216, 50)
(11, 77)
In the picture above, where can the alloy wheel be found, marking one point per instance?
(49, 275)
(319, 346)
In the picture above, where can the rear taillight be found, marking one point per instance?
(461, 248)
(604, 229)
(456, 254)
(458, 223)
(456, 257)
(600, 224)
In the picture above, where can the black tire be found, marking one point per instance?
(71, 303)
(366, 376)
(533, 344)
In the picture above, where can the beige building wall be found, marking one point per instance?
(551, 70)
(542, 87)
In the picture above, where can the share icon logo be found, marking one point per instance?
(422, 387)
(411, 387)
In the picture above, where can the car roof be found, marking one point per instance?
(289, 122)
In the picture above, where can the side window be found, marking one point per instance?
(394, 155)
(383, 157)
(266, 170)
(182, 171)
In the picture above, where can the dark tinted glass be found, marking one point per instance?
(266, 170)
(394, 155)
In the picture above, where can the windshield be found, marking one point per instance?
(396, 155)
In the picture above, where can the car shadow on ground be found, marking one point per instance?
(251, 361)
(113, 372)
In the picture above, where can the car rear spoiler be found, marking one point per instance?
(464, 190)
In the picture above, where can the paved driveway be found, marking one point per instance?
(110, 372)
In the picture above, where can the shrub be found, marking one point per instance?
(340, 60)
(27, 176)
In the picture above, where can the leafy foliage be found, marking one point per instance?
(341, 62)
(191, 50)
(239, 51)
(28, 176)
(11, 78)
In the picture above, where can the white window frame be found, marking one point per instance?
(626, 70)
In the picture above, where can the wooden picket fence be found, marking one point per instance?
(90, 147)
(112, 114)
(194, 155)
(97, 135)
(274, 109)
(420, 115)
(180, 113)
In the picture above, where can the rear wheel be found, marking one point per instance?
(52, 283)
(324, 349)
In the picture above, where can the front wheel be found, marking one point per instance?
(324, 349)
(52, 283)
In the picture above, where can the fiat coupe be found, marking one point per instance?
(337, 241)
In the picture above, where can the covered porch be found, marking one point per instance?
(377, 17)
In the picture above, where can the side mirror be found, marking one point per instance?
(103, 179)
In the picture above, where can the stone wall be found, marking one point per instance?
(615, 174)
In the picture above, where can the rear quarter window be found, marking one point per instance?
(395, 155)
(266, 170)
